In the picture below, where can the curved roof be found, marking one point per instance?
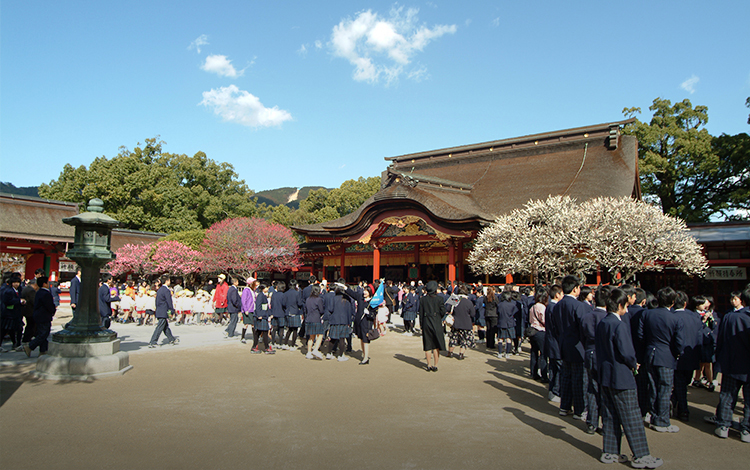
(476, 183)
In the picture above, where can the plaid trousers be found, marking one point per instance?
(592, 391)
(620, 413)
(572, 385)
(682, 379)
(730, 388)
(660, 380)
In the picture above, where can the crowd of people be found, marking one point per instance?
(613, 357)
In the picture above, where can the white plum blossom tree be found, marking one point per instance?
(558, 236)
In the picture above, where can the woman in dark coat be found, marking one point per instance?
(506, 324)
(315, 309)
(340, 323)
(462, 334)
(431, 311)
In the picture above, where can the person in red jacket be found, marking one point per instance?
(220, 299)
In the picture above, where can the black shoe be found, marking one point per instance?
(433, 369)
(590, 429)
(365, 362)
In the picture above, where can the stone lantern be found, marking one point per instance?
(85, 349)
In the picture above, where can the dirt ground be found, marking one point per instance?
(218, 406)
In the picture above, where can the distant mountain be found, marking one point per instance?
(10, 188)
(287, 196)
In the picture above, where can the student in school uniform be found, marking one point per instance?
(661, 331)
(278, 311)
(262, 321)
(589, 323)
(294, 306)
(409, 311)
(615, 358)
(570, 311)
(689, 360)
(314, 310)
(733, 353)
(341, 318)
(234, 306)
(552, 343)
(506, 324)
(106, 299)
(44, 311)
(164, 307)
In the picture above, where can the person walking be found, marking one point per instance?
(462, 334)
(44, 311)
(234, 306)
(164, 308)
(431, 311)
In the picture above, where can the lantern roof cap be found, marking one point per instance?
(94, 215)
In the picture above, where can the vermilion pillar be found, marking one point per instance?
(452, 261)
(375, 262)
(343, 261)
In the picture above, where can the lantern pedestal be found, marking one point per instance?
(82, 361)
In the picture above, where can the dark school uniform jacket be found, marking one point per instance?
(693, 333)
(12, 307)
(615, 356)
(660, 330)
(635, 312)
(163, 302)
(261, 306)
(293, 301)
(463, 314)
(278, 305)
(342, 312)
(411, 302)
(75, 290)
(551, 339)
(314, 310)
(570, 313)
(44, 306)
(733, 345)
(105, 300)
(234, 301)
(589, 322)
(506, 314)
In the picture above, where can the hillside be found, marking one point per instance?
(10, 188)
(279, 196)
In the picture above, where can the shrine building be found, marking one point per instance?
(431, 205)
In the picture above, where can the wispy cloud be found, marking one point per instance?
(235, 105)
(689, 84)
(220, 65)
(382, 48)
(202, 40)
(302, 50)
(496, 22)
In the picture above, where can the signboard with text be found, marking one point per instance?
(726, 274)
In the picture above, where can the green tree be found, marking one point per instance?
(322, 205)
(674, 151)
(728, 188)
(149, 189)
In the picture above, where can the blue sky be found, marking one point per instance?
(315, 93)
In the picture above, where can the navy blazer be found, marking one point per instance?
(570, 313)
(506, 314)
(615, 356)
(733, 345)
(411, 303)
(293, 300)
(343, 312)
(661, 332)
(314, 310)
(234, 301)
(693, 333)
(278, 305)
(463, 313)
(44, 306)
(551, 339)
(75, 290)
(105, 300)
(12, 307)
(261, 301)
(163, 302)
(588, 327)
(635, 312)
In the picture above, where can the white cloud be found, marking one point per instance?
(202, 40)
(380, 47)
(220, 65)
(496, 22)
(318, 45)
(235, 105)
(302, 50)
(689, 84)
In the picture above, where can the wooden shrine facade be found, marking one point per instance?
(431, 205)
